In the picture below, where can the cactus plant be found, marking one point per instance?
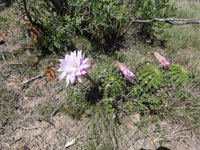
(178, 75)
(150, 77)
(112, 83)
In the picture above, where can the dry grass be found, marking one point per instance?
(8, 106)
(187, 35)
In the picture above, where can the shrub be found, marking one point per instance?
(57, 23)
(149, 9)
(7, 2)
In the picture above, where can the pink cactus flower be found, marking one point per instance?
(72, 66)
(127, 73)
(161, 59)
(114, 116)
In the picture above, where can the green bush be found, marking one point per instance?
(7, 2)
(60, 23)
(150, 9)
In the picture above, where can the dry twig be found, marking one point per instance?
(3, 57)
(34, 78)
(3, 4)
(72, 142)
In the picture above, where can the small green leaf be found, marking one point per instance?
(2, 19)
(56, 44)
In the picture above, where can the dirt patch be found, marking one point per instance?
(169, 135)
(35, 127)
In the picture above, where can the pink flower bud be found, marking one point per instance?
(161, 59)
(127, 73)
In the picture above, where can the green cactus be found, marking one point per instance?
(178, 75)
(112, 83)
(150, 77)
(136, 91)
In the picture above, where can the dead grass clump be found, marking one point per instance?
(188, 35)
(8, 106)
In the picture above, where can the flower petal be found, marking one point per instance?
(72, 78)
(67, 81)
(62, 75)
(79, 55)
(79, 79)
(60, 69)
(85, 61)
(67, 57)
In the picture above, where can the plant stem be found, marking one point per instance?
(90, 79)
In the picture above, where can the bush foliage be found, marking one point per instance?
(150, 9)
(102, 22)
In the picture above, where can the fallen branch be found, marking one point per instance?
(3, 57)
(15, 63)
(72, 142)
(34, 78)
(3, 4)
(172, 21)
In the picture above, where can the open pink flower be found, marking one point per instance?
(161, 59)
(74, 65)
(114, 116)
(127, 73)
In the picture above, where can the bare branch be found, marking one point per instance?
(3, 57)
(172, 21)
(34, 78)
(30, 17)
(2, 4)
(27, 13)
